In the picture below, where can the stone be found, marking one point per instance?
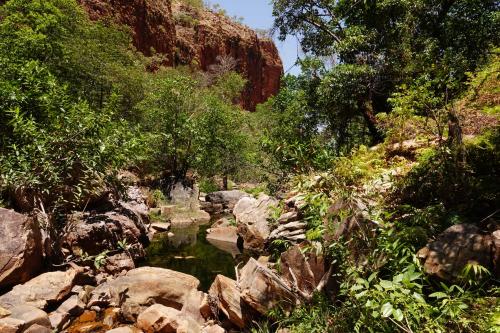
(228, 199)
(227, 296)
(252, 220)
(185, 196)
(288, 229)
(161, 226)
(223, 222)
(93, 233)
(223, 234)
(125, 329)
(288, 217)
(167, 210)
(4, 312)
(118, 263)
(20, 248)
(72, 307)
(136, 201)
(111, 316)
(213, 329)
(159, 318)
(453, 249)
(41, 291)
(263, 290)
(145, 286)
(30, 315)
(38, 329)
(307, 268)
(197, 307)
(11, 325)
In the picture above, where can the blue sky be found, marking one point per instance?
(258, 14)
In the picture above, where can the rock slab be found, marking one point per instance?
(20, 248)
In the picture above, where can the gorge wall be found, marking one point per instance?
(198, 37)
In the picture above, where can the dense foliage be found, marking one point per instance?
(77, 105)
(367, 56)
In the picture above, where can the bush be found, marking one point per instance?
(59, 143)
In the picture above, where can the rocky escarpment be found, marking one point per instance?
(151, 22)
(203, 37)
(199, 38)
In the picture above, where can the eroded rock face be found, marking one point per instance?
(252, 219)
(20, 248)
(226, 295)
(456, 247)
(204, 36)
(262, 289)
(185, 36)
(93, 233)
(151, 22)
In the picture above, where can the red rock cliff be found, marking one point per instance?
(151, 22)
(197, 37)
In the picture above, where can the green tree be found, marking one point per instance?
(56, 144)
(390, 43)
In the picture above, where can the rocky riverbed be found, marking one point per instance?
(127, 267)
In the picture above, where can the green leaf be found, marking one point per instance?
(397, 314)
(386, 310)
(438, 295)
(386, 284)
(419, 298)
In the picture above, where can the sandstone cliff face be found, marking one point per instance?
(203, 36)
(151, 22)
(186, 36)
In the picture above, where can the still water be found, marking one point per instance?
(189, 251)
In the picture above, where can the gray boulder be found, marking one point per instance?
(227, 199)
(252, 220)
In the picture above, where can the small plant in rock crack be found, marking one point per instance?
(100, 259)
(123, 245)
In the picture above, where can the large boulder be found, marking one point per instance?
(136, 200)
(20, 248)
(30, 315)
(225, 293)
(227, 199)
(93, 233)
(41, 292)
(457, 246)
(305, 270)
(159, 318)
(252, 219)
(227, 234)
(143, 287)
(263, 290)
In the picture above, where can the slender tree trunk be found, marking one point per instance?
(371, 123)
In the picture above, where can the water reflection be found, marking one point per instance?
(188, 251)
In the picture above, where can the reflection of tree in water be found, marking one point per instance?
(189, 252)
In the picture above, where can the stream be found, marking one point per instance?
(189, 251)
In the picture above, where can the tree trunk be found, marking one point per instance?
(371, 122)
